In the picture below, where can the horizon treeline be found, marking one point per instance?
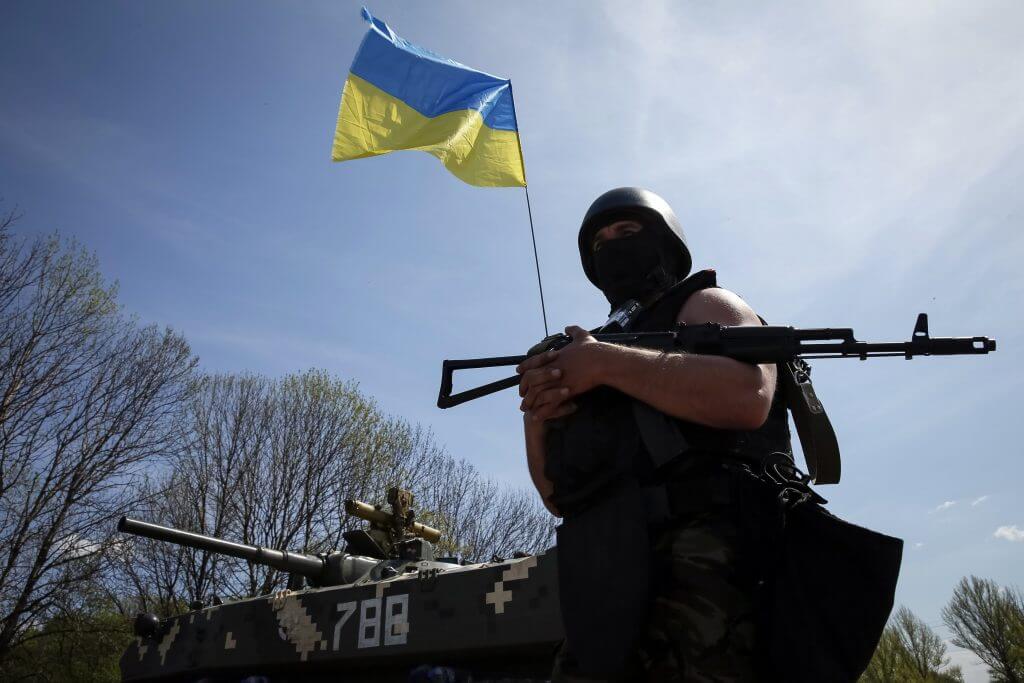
(982, 616)
(101, 416)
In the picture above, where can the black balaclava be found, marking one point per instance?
(634, 271)
(635, 266)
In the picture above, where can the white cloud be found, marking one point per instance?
(1010, 533)
(918, 545)
(945, 506)
(979, 500)
(907, 99)
(74, 545)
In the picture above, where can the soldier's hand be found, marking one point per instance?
(539, 384)
(549, 411)
(552, 378)
(581, 362)
(537, 361)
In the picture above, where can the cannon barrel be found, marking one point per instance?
(369, 513)
(310, 566)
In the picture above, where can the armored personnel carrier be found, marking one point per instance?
(384, 609)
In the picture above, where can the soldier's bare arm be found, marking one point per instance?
(711, 390)
(534, 431)
(543, 382)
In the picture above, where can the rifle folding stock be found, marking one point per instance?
(766, 344)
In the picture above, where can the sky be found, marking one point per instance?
(838, 164)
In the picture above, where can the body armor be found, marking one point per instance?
(613, 464)
(611, 435)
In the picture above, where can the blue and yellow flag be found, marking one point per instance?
(400, 96)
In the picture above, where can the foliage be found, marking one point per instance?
(87, 399)
(886, 664)
(99, 416)
(82, 642)
(910, 652)
(270, 462)
(989, 620)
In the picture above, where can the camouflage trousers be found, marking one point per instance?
(702, 626)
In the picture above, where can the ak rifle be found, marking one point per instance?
(765, 344)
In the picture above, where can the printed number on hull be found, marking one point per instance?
(395, 626)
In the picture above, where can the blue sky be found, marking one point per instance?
(843, 164)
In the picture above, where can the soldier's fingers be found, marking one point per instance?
(542, 397)
(537, 377)
(553, 409)
(567, 408)
(537, 361)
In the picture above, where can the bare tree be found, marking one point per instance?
(270, 462)
(989, 621)
(223, 428)
(151, 576)
(318, 440)
(90, 402)
(86, 397)
(479, 518)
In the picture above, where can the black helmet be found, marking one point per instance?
(635, 202)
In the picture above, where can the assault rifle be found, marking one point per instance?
(765, 344)
(789, 347)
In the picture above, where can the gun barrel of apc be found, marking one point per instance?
(298, 563)
(368, 512)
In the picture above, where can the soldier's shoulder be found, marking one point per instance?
(717, 305)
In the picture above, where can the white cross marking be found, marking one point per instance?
(498, 597)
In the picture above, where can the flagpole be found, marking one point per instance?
(529, 212)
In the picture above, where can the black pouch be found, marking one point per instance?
(604, 581)
(831, 595)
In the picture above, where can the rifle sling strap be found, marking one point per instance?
(817, 437)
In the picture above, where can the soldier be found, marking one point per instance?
(640, 453)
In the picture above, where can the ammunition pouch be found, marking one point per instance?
(833, 591)
(829, 584)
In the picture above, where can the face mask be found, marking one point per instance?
(630, 267)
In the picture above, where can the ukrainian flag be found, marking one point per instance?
(400, 96)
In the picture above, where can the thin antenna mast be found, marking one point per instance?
(529, 212)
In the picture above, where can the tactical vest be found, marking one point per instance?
(611, 436)
(614, 461)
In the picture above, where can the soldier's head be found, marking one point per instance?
(632, 245)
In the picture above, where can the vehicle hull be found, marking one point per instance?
(493, 619)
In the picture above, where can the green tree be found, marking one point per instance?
(910, 652)
(886, 664)
(988, 620)
(84, 646)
